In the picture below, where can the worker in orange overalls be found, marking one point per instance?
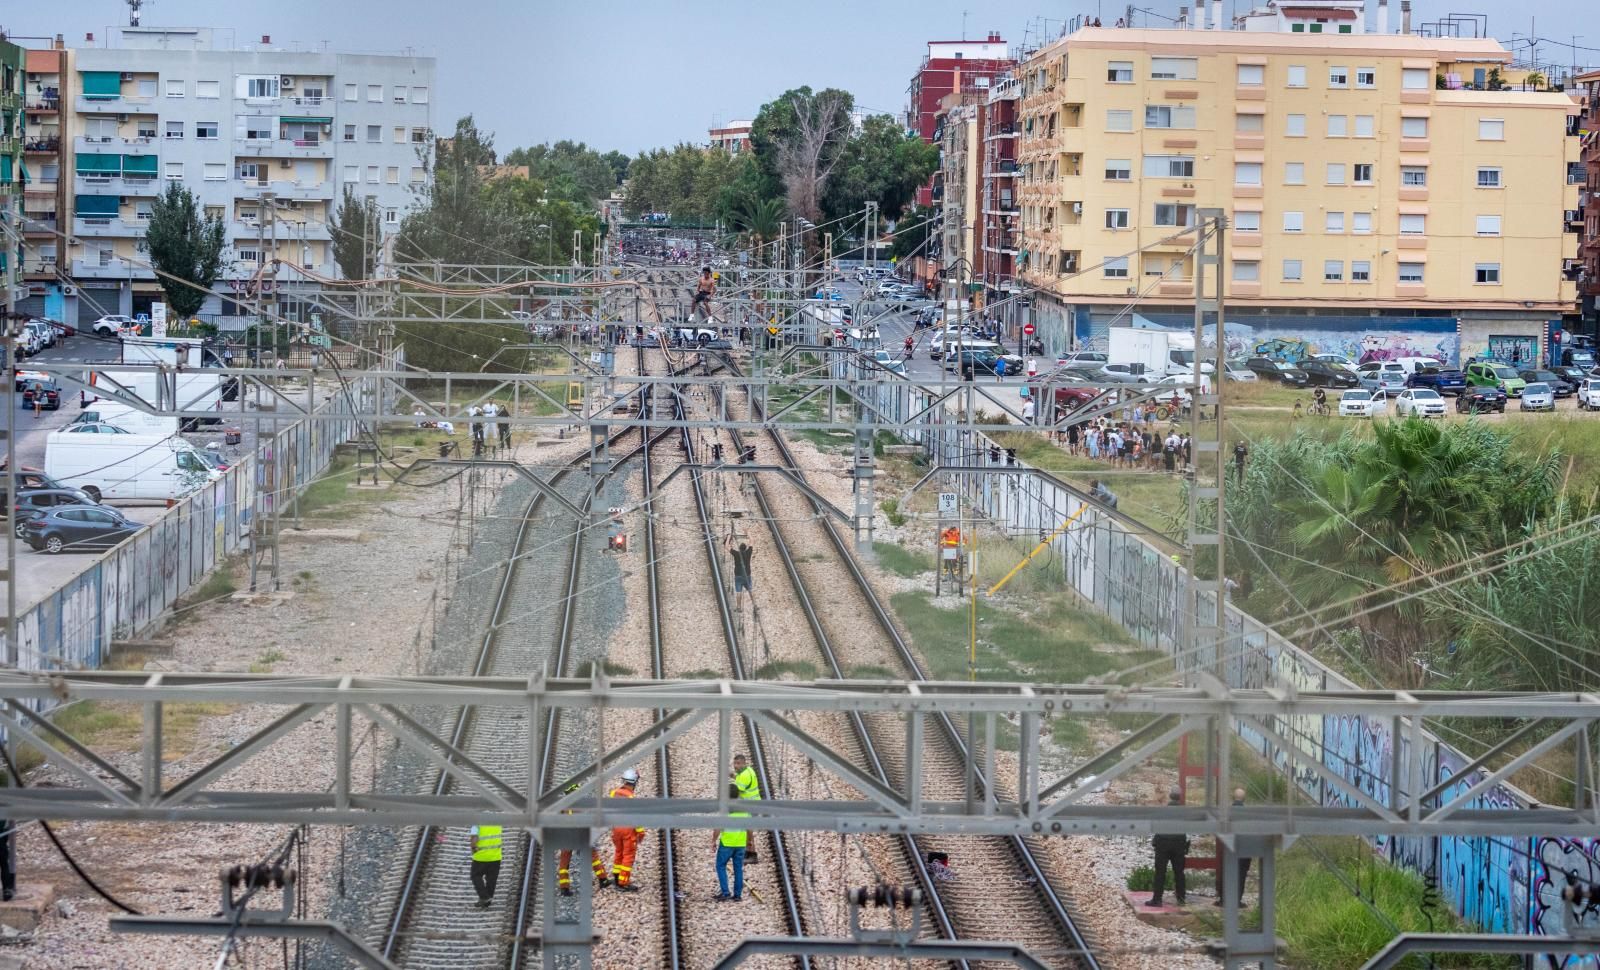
(625, 841)
(564, 864)
(950, 538)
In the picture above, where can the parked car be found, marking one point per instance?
(77, 528)
(25, 377)
(1445, 380)
(1322, 373)
(1489, 374)
(1338, 360)
(889, 362)
(984, 361)
(1277, 370)
(93, 427)
(30, 478)
(1125, 374)
(111, 324)
(1480, 397)
(1235, 370)
(1589, 394)
(28, 343)
(1537, 396)
(45, 392)
(1571, 374)
(1361, 403)
(47, 334)
(1421, 402)
(1082, 357)
(1559, 386)
(32, 502)
(1412, 364)
(1382, 375)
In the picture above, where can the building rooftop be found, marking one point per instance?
(1203, 41)
(1526, 99)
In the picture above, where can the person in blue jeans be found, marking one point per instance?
(731, 844)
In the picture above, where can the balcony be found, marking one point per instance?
(289, 189)
(43, 266)
(287, 230)
(109, 268)
(243, 269)
(116, 185)
(302, 101)
(106, 226)
(41, 104)
(996, 132)
(41, 224)
(118, 105)
(109, 144)
(42, 146)
(284, 148)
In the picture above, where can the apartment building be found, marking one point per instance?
(958, 183)
(267, 138)
(950, 66)
(1001, 207)
(11, 178)
(733, 137)
(1586, 268)
(44, 192)
(1378, 205)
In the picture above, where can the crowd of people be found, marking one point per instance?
(1135, 443)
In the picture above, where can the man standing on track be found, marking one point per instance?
(564, 863)
(731, 845)
(744, 779)
(1170, 849)
(485, 844)
(625, 840)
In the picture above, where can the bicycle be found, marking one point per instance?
(1321, 409)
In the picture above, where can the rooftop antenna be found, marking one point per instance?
(133, 11)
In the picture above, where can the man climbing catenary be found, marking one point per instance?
(564, 863)
(625, 841)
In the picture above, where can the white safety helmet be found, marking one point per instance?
(630, 776)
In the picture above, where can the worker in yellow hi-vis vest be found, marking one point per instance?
(485, 862)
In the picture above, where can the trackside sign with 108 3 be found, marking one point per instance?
(949, 505)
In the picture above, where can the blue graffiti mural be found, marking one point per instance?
(1556, 862)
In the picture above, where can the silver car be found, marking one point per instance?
(1538, 396)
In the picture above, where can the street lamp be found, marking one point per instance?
(550, 244)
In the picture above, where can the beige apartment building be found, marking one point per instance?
(1382, 199)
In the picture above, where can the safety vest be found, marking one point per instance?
(622, 791)
(749, 787)
(951, 537)
(736, 838)
(488, 849)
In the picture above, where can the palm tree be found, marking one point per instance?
(1535, 80)
(760, 220)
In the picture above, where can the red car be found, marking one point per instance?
(45, 391)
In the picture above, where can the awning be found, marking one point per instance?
(102, 84)
(306, 119)
(139, 164)
(99, 164)
(95, 205)
(5, 169)
(1321, 13)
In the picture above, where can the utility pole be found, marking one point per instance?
(9, 374)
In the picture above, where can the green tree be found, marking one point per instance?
(186, 247)
(688, 182)
(572, 170)
(881, 164)
(799, 139)
(758, 221)
(356, 235)
(454, 220)
(912, 232)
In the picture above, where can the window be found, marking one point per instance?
(1246, 271)
(1291, 270)
(1169, 166)
(1338, 126)
(418, 176)
(1366, 77)
(206, 130)
(1333, 222)
(1294, 126)
(1115, 268)
(252, 172)
(1364, 126)
(1488, 225)
(1416, 79)
(1252, 74)
(1166, 116)
(1119, 72)
(1335, 173)
(175, 88)
(349, 132)
(1361, 223)
(216, 171)
(391, 175)
(1174, 214)
(1413, 127)
(1413, 176)
(1360, 271)
(174, 131)
(248, 255)
(1297, 76)
(1119, 120)
(372, 174)
(352, 173)
(374, 133)
(351, 92)
(174, 170)
(1333, 271)
(1249, 124)
(1338, 77)
(419, 136)
(1116, 218)
(1174, 68)
(1488, 178)
(1491, 129)
(1294, 221)
(1361, 173)
(1411, 272)
(1119, 170)
(1247, 222)
(208, 89)
(1413, 224)
(1487, 274)
(251, 215)
(399, 136)
(1294, 173)
(1246, 173)
(399, 94)
(144, 128)
(375, 93)
(419, 95)
(260, 87)
(211, 212)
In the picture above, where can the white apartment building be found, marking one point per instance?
(262, 135)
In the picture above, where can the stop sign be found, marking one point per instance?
(1027, 329)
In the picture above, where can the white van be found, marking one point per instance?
(127, 418)
(1412, 363)
(196, 390)
(126, 466)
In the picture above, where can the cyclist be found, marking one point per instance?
(1321, 405)
(908, 345)
(703, 290)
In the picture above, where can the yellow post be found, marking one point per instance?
(1043, 544)
(972, 607)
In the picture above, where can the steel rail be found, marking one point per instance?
(1025, 856)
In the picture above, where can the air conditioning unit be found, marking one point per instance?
(69, 291)
(122, 120)
(1077, 208)
(127, 76)
(122, 200)
(286, 82)
(327, 129)
(285, 163)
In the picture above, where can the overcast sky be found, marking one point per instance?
(632, 74)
